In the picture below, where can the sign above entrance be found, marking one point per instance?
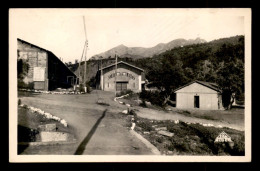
(121, 74)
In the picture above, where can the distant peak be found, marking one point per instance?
(121, 45)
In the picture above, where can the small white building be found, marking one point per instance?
(200, 95)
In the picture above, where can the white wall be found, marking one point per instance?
(208, 98)
(133, 84)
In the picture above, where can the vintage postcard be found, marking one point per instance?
(130, 85)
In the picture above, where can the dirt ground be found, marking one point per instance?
(102, 129)
(234, 118)
(238, 123)
(99, 129)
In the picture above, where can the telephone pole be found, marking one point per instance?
(115, 73)
(85, 63)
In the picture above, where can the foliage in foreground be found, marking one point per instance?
(192, 139)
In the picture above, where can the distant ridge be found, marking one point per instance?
(140, 52)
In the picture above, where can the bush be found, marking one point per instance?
(146, 126)
(22, 84)
(88, 89)
(208, 135)
(124, 92)
(155, 97)
(143, 104)
(81, 88)
(159, 139)
(19, 102)
(132, 112)
(184, 112)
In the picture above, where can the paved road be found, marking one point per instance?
(99, 130)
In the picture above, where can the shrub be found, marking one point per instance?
(88, 89)
(159, 139)
(19, 102)
(124, 92)
(155, 97)
(132, 112)
(143, 104)
(81, 88)
(185, 112)
(22, 84)
(146, 126)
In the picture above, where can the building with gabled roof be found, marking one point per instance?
(45, 70)
(128, 77)
(199, 95)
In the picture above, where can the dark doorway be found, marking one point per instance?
(196, 101)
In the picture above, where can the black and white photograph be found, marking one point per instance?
(124, 85)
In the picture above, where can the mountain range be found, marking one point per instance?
(141, 52)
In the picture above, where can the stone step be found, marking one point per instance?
(47, 127)
(166, 133)
(161, 128)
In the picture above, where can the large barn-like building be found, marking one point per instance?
(46, 71)
(128, 77)
(200, 95)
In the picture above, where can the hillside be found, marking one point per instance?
(220, 61)
(140, 52)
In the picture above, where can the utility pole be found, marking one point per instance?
(85, 70)
(115, 73)
(101, 73)
(81, 61)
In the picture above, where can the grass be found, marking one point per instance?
(192, 139)
(235, 115)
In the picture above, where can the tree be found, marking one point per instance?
(231, 81)
(167, 77)
(206, 71)
(22, 68)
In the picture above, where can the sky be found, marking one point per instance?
(62, 30)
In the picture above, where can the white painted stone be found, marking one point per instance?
(161, 128)
(165, 133)
(124, 111)
(133, 126)
(53, 136)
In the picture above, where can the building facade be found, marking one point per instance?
(128, 77)
(199, 95)
(45, 70)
